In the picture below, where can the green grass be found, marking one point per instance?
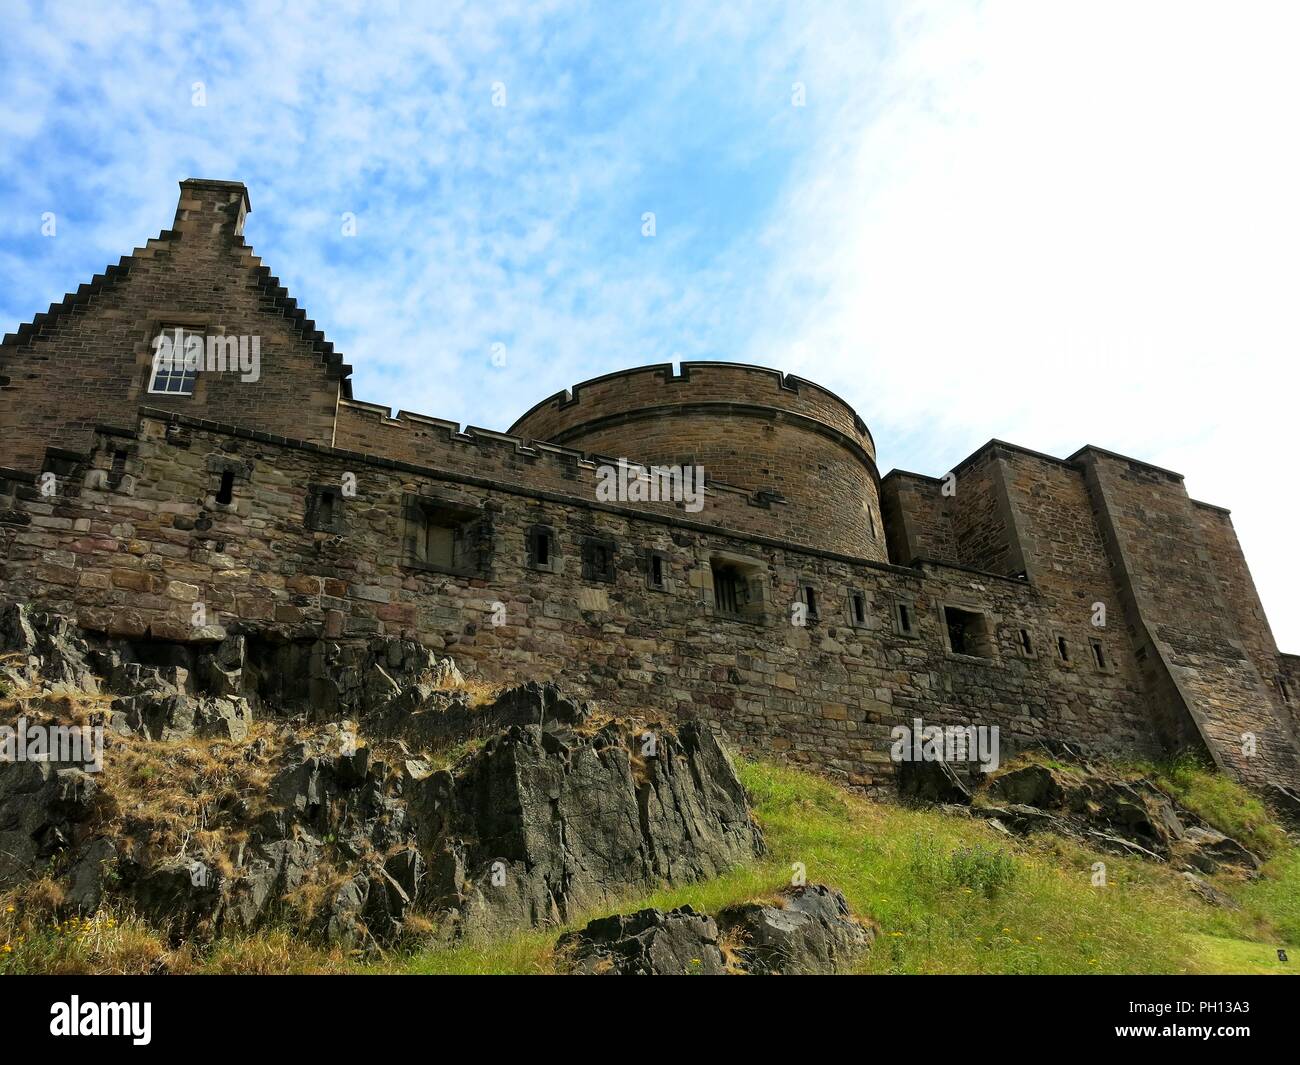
(1221, 955)
(949, 894)
(1223, 803)
(953, 896)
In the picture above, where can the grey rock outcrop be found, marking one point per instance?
(678, 942)
(1115, 815)
(541, 823)
(811, 932)
(808, 931)
(41, 803)
(550, 814)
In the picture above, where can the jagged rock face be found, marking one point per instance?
(51, 648)
(932, 781)
(1127, 817)
(41, 803)
(549, 815)
(812, 933)
(678, 942)
(380, 677)
(544, 822)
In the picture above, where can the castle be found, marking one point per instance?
(808, 605)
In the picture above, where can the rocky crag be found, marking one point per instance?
(354, 791)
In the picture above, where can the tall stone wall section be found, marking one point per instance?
(133, 559)
(1197, 664)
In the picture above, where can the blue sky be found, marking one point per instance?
(1054, 224)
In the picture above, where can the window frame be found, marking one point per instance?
(987, 636)
(156, 371)
(421, 513)
(901, 606)
(593, 569)
(534, 534)
(316, 495)
(749, 575)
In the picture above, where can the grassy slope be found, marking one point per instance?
(949, 893)
(953, 896)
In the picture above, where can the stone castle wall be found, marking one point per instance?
(133, 560)
(1028, 545)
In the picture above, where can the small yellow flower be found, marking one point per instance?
(1007, 931)
(6, 949)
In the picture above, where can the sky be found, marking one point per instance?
(1054, 224)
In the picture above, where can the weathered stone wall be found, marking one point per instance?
(746, 425)
(477, 454)
(136, 559)
(1196, 666)
(983, 530)
(1237, 588)
(1289, 674)
(917, 521)
(87, 360)
(1061, 550)
(137, 533)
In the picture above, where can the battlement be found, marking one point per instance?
(704, 383)
(774, 434)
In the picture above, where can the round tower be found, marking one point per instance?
(748, 426)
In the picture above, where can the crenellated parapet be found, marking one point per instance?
(747, 425)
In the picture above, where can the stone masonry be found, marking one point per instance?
(1086, 600)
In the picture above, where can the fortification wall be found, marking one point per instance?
(746, 425)
(1237, 588)
(1063, 553)
(1195, 662)
(133, 551)
(1289, 674)
(917, 523)
(482, 454)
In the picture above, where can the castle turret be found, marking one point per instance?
(797, 443)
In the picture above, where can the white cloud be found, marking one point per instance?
(1063, 224)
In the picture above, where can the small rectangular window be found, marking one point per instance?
(441, 543)
(1099, 654)
(118, 470)
(858, 608)
(227, 490)
(737, 589)
(969, 632)
(1284, 689)
(173, 373)
(541, 548)
(903, 618)
(657, 571)
(810, 599)
(446, 537)
(325, 508)
(1027, 644)
(1062, 649)
(597, 559)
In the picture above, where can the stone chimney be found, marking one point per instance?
(212, 208)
